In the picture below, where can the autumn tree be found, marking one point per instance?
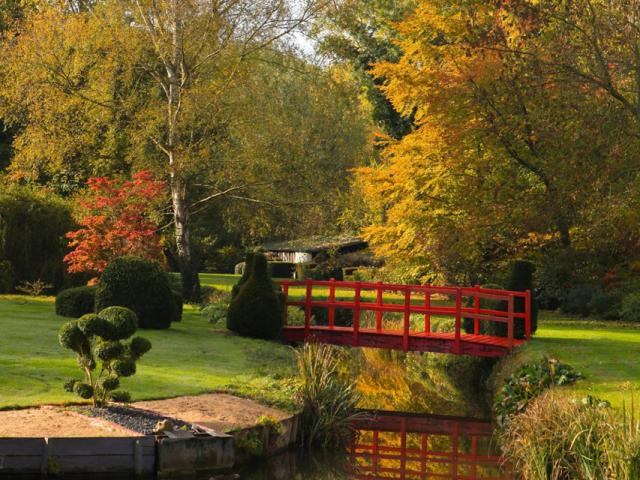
(154, 84)
(503, 151)
(116, 219)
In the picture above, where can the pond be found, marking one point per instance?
(392, 445)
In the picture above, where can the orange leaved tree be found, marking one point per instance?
(116, 220)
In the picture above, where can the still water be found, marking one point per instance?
(391, 445)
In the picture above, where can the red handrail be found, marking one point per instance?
(358, 301)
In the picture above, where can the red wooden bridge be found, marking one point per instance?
(406, 317)
(403, 447)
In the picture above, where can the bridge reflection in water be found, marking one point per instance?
(402, 446)
(390, 445)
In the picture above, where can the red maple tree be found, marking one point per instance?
(116, 221)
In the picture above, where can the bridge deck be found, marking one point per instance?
(440, 342)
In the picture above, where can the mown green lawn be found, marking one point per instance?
(606, 353)
(195, 357)
(191, 357)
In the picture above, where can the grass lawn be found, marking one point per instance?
(189, 358)
(606, 353)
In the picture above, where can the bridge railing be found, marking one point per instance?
(378, 297)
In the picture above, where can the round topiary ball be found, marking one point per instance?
(124, 322)
(71, 337)
(94, 325)
(139, 346)
(141, 285)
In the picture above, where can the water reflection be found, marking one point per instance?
(389, 445)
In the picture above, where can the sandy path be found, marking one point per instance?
(50, 421)
(217, 411)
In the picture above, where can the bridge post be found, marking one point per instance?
(379, 305)
(407, 318)
(285, 291)
(332, 301)
(307, 310)
(456, 344)
(527, 312)
(356, 315)
(427, 305)
(510, 324)
(476, 310)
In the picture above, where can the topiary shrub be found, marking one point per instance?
(521, 280)
(578, 300)
(630, 311)
(75, 302)
(257, 310)
(141, 285)
(7, 279)
(246, 273)
(104, 355)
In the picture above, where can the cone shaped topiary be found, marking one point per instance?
(256, 311)
(246, 274)
(521, 280)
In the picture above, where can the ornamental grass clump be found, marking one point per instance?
(556, 438)
(104, 353)
(328, 399)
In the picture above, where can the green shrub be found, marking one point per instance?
(578, 300)
(282, 269)
(563, 439)
(75, 302)
(521, 280)
(178, 306)
(246, 274)
(257, 310)
(7, 281)
(630, 311)
(32, 235)
(606, 305)
(103, 354)
(318, 272)
(141, 285)
(526, 383)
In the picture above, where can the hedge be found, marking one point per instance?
(75, 302)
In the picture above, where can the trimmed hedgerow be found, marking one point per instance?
(141, 285)
(257, 309)
(103, 352)
(75, 302)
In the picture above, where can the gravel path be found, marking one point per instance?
(136, 419)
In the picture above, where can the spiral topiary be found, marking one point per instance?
(256, 310)
(102, 338)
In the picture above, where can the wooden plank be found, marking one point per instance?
(96, 446)
(22, 446)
